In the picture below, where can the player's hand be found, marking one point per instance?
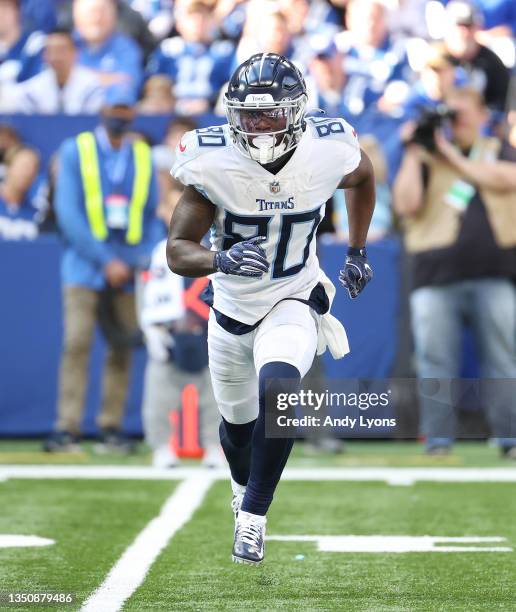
(357, 272)
(246, 258)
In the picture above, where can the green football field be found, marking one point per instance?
(125, 537)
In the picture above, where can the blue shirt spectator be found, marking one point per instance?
(486, 71)
(197, 66)
(20, 52)
(115, 57)
(19, 214)
(310, 17)
(325, 81)
(85, 256)
(231, 19)
(268, 32)
(495, 13)
(371, 61)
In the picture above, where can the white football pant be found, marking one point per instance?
(288, 334)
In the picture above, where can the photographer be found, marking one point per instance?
(457, 199)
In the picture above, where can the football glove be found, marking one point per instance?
(356, 273)
(246, 258)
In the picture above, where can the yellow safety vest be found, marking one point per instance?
(93, 189)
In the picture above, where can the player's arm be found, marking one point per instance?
(190, 222)
(360, 202)
(192, 218)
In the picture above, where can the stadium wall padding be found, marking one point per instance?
(46, 133)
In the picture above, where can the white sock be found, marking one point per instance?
(254, 518)
(238, 489)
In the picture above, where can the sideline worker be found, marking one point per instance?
(105, 202)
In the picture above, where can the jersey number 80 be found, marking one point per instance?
(309, 219)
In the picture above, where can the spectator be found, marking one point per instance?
(115, 57)
(458, 208)
(159, 15)
(157, 96)
(267, 31)
(164, 155)
(20, 52)
(486, 70)
(105, 202)
(309, 17)
(175, 130)
(175, 328)
(437, 77)
(230, 16)
(63, 87)
(197, 66)
(18, 218)
(407, 19)
(371, 60)
(9, 139)
(132, 24)
(497, 22)
(305, 31)
(129, 22)
(325, 81)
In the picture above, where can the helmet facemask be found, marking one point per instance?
(263, 129)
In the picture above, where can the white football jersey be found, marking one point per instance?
(285, 207)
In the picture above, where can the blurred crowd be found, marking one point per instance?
(377, 63)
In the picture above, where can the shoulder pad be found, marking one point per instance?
(196, 143)
(332, 129)
(172, 46)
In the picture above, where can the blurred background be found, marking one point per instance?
(393, 69)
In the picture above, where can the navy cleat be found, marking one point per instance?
(248, 546)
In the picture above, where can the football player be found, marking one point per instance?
(260, 183)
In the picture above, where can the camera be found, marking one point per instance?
(431, 119)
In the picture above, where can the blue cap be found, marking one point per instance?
(119, 95)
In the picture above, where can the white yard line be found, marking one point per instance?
(130, 570)
(391, 475)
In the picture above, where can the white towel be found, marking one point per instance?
(332, 334)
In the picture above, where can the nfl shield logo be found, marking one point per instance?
(274, 187)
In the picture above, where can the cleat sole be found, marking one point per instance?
(243, 561)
